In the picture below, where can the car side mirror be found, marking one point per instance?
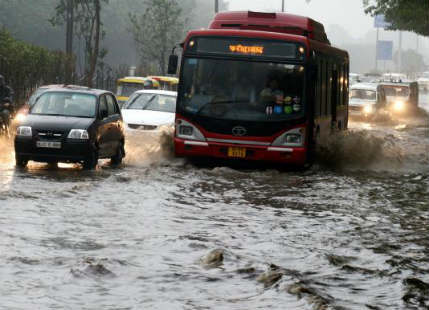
(103, 114)
(173, 60)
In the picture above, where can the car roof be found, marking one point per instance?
(403, 83)
(76, 89)
(157, 91)
(365, 86)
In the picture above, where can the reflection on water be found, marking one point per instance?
(159, 233)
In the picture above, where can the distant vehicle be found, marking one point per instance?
(71, 124)
(423, 82)
(354, 78)
(130, 84)
(149, 110)
(402, 97)
(371, 78)
(367, 101)
(259, 87)
(394, 77)
(166, 82)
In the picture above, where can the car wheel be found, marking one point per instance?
(20, 161)
(91, 161)
(120, 154)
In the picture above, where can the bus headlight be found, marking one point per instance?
(294, 137)
(368, 109)
(186, 130)
(399, 106)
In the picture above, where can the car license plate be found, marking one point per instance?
(239, 152)
(49, 144)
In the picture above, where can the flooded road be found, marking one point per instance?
(352, 232)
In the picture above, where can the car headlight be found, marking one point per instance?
(80, 134)
(294, 137)
(399, 106)
(20, 117)
(368, 109)
(24, 131)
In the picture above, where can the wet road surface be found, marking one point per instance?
(352, 232)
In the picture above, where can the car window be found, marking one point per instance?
(103, 105)
(111, 107)
(65, 104)
(153, 102)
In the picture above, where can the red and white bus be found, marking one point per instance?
(259, 86)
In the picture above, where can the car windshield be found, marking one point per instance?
(65, 104)
(152, 102)
(396, 91)
(126, 89)
(242, 90)
(34, 96)
(363, 94)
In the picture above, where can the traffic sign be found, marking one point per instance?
(380, 22)
(384, 50)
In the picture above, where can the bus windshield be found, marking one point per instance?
(126, 89)
(396, 91)
(242, 90)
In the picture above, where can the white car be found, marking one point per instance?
(149, 110)
(367, 100)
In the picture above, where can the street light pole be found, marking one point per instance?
(216, 6)
(283, 5)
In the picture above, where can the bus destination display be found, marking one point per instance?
(245, 47)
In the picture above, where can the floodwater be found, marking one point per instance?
(352, 232)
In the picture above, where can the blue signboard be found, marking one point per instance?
(380, 22)
(384, 50)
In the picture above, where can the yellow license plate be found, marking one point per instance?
(239, 152)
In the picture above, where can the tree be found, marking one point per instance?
(88, 27)
(407, 15)
(156, 31)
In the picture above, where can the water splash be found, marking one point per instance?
(145, 149)
(6, 150)
(373, 149)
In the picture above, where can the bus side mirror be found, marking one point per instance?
(173, 60)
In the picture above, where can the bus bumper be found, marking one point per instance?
(287, 155)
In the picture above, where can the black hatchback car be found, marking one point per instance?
(71, 124)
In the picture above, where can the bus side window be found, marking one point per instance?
(340, 85)
(317, 100)
(345, 85)
(326, 107)
(323, 82)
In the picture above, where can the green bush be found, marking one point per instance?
(26, 66)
